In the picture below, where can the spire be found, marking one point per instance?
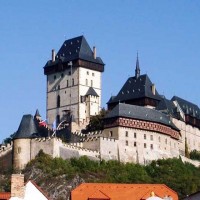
(137, 68)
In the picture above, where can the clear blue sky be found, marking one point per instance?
(165, 33)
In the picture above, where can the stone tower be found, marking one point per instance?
(73, 83)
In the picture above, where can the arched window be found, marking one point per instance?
(58, 101)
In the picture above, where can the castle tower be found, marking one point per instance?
(22, 142)
(71, 76)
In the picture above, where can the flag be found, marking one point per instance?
(54, 125)
(43, 123)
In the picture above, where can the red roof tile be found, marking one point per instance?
(106, 191)
(5, 195)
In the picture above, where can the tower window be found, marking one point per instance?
(145, 136)
(58, 101)
(67, 83)
(87, 72)
(58, 119)
(151, 137)
(145, 145)
(92, 74)
(91, 83)
(72, 81)
(135, 135)
(110, 133)
(135, 144)
(86, 82)
(126, 142)
(126, 134)
(151, 146)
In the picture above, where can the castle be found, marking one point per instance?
(141, 125)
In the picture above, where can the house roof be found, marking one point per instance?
(73, 49)
(187, 107)
(27, 128)
(136, 88)
(112, 191)
(91, 91)
(140, 112)
(5, 195)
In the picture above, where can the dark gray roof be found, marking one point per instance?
(142, 113)
(37, 113)
(136, 88)
(187, 107)
(27, 128)
(168, 107)
(91, 92)
(77, 48)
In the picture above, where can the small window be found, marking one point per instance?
(151, 137)
(67, 83)
(135, 144)
(92, 74)
(91, 83)
(126, 142)
(18, 150)
(145, 145)
(72, 81)
(58, 101)
(87, 72)
(159, 139)
(135, 135)
(110, 134)
(151, 146)
(145, 136)
(86, 82)
(126, 133)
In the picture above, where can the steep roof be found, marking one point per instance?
(140, 112)
(136, 88)
(112, 191)
(169, 108)
(187, 107)
(27, 128)
(91, 91)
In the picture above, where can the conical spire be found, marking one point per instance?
(137, 68)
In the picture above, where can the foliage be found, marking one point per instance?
(195, 155)
(183, 178)
(8, 139)
(96, 122)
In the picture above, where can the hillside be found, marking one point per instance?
(58, 177)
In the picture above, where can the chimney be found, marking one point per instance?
(153, 89)
(17, 185)
(94, 52)
(53, 55)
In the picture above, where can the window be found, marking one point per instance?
(145, 145)
(135, 135)
(135, 144)
(72, 81)
(151, 137)
(58, 101)
(18, 150)
(86, 82)
(151, 146)
(92, 74)
(58, 119)
(110, 134)
(87, 72)
(126, 142)
(159, 139)
(58, 87)
(126, 133)
(145, 136)
(91, 83)
(67, 83)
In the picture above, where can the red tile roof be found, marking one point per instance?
(109, 191)
(5, 195)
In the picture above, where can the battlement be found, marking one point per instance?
(5, 148)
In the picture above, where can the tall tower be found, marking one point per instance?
(73, 83)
